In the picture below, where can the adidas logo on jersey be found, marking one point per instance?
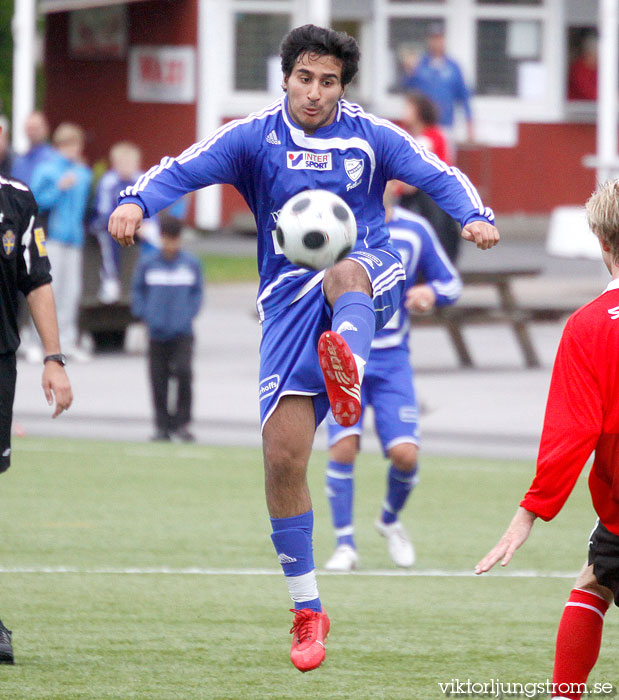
(614, 313)
(272, 138)
(346, 326)
(285, 559)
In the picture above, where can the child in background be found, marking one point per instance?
(61, 186)
(167, 295)
(125, 161)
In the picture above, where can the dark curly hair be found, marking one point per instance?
(322, 41)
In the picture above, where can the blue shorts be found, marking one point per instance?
(289, 347)
(387, 387)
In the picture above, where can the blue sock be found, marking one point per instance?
(340, 488)
(292, 538)
(355, 320)
(399, 486)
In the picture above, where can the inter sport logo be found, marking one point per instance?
(305, 160)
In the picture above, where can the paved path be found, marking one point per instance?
(493, 410)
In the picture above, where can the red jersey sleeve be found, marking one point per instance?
(572, 426)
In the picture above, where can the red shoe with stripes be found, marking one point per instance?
(309, 634)
(341, 378)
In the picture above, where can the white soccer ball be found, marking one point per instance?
(316, 229)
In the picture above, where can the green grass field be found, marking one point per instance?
(229, 268)
(100, 630)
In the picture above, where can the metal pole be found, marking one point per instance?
(212, 43)
(607, 90)
(319, 12)
(24, 32)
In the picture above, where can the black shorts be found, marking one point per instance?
(604, 555)
(8, 376)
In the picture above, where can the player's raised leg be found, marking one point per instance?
(364, 291)
(340, 492)
(287, 442)
(344, 350)
(401, 479)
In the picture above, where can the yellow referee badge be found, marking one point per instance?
(39, 239)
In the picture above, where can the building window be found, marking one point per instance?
(509, 57)
(407, 42)
(257, 41)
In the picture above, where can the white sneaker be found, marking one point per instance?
(109, 292)
(399, 544)
(345, 558)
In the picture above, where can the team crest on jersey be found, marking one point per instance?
(353, 168)
(8, 242)
(306, 160)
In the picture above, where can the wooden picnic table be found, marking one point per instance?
(507, 311)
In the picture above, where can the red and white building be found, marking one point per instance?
(164, 73)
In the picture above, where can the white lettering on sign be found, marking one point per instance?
(162, 74)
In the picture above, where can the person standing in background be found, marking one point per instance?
(61, 186)
(582, 81)
(420, 119)
(439, 77)
(167, 295)
(125, 161)
(39, 151)
(6, 153)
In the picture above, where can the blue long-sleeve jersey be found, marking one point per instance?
(421, 253)
(167, 294)
(269, 159)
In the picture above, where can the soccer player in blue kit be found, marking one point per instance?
(316, 326)
(431, 280)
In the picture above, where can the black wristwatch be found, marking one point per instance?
(58, 357)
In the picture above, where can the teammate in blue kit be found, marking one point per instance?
(317, 327)
(388, 388)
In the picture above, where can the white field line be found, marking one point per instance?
(197, 571)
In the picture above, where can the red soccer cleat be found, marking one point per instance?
(309, 634)
(341, 378)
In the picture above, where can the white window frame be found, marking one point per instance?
(241, 102)
(460, 17)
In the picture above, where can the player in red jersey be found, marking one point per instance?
(582, 415)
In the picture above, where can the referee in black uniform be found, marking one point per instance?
(24, 266)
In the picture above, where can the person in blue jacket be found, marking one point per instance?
(439, 77)
(167, 295)
(61, 186)
(39, 151)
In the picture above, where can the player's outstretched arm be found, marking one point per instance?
(515, 536)
(125, 222)
(483, 234)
